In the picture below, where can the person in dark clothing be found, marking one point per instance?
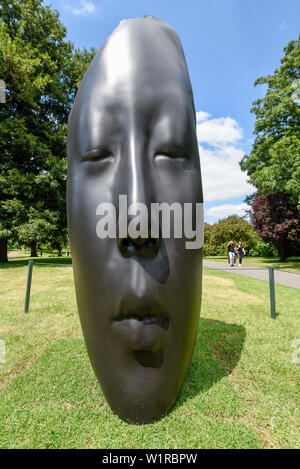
(240, 252)
(231, 253)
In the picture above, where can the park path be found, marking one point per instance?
(288, 279)
(13, 254)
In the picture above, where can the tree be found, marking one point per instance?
(37, 229)
(216, 236)
(274, 162)
(42, 71)
(277, 221)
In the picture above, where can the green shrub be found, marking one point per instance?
(263, 250)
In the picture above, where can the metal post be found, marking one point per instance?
(272, 292)
(28, 286)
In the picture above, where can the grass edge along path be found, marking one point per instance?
(290, 265)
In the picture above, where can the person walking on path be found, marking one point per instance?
(231, 253)
(240, 252)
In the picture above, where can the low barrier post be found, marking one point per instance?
(272, 292)
(28, 286)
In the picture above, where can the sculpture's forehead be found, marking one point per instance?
(140, 51)
(141, 62)
(137, 80)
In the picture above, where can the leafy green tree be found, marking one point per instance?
(234, 228)
(42, 71)
(273, 164)
(36, 230)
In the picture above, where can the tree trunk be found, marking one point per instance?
(3, 250)
(283, 253)
(59, 250)
(33, 247)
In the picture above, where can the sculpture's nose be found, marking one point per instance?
(138, 247)
(140, 194)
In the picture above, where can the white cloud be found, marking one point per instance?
(218, 132)
(201, 116)
(220, 154)
(84, 8)
(223, 211)
(221, 174)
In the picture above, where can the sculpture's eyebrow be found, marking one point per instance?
(101, 121)
(164, 116)
(177, 124)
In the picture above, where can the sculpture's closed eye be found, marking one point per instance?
(172, 154)
(97, 155)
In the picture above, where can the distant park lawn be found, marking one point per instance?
(241, 390)
(292, 264)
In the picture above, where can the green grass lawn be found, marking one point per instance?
(292, 264)
(23, 258)
(241, 390)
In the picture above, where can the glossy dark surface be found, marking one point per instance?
(132, 131)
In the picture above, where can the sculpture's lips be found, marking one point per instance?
(147, 314)
(141, 326)
(149, 319)
(138, 335)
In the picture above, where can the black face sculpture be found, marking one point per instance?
(132, 132)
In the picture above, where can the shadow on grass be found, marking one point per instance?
(217, 351)
(40, 261)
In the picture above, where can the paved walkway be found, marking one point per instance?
(13, 254)
(289, 279)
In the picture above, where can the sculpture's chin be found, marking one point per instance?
(142, 407)
(149, 416)
(149, 359)
(141, 385)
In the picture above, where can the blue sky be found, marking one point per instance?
(227, 44)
